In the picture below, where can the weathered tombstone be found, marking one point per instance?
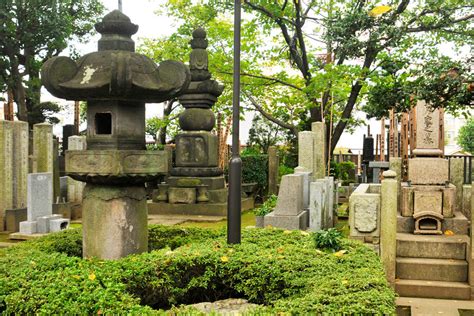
(6, 176)
(273, 164)
(317, 204)
(75, 188)
(20, 163)
(319, 158)
(43, 150)
(115, 165)
(306, 142)
(289, 212)
(306, 181)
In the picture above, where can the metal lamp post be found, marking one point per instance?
(235, 168)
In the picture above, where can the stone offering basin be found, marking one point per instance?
(116, 166)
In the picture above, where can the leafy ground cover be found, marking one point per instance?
(282, 271)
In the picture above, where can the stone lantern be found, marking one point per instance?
(116, 82)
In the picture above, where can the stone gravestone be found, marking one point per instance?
(289, 213)
(319, 154)
(40, 218)
(6, 176)
(20, 163)
(75, 188)
(43, 148)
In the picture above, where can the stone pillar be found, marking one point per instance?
(20, 163)
(319, 158)
(388, 224)
(471, 248)
(273, 165)
(306, 149)
(56, 182)
(456, 177)
(6, 176)
(43, 148)
(75, 188)
(114, 221)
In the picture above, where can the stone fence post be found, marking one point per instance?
(388, 223)
(273, 164)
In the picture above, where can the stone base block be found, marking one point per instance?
(218, 196)
(458, 224)
(418, 198)
(13, 219)
(291, 222)
(213, 183)
(196, 149)
(59, 224)
(205, 209)
(43, 226)
(29, 227)
(428, 170)
(182, 195)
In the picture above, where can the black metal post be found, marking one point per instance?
(235, 168)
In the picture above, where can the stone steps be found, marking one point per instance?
(432, 269)
(437, 247)
(432, 266)
(433, 289)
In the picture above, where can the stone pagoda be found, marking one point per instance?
(196, 185)
(116, 82)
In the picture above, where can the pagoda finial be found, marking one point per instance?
(116, 30)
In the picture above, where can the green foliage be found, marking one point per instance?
(263, 134)
(32, 32)
(255, 169)
(466, 136)
(281, 270)
(326, 69)
(267, 206)
(284, 170)
(341, 170)
(330, 239)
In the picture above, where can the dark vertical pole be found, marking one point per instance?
(235, 167)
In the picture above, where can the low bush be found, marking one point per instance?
(280, 270)
(267, 206)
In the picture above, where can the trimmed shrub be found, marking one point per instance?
(281, 270)
(255, 169)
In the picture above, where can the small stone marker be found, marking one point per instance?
(289, 213)
(40, 206)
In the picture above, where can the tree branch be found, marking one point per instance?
(294, 130)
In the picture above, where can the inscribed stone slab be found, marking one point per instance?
(306, 181)
(6, 148)
(306, 150)
(40, 195)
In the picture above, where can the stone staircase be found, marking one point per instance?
(432, 266)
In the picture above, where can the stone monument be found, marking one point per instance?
(116, 82)
(427, 197)
(196, 185)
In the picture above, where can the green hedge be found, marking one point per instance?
(281, 270)
(255, 169)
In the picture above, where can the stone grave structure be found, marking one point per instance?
(13, 173)
(40, 218)
(428, 197)
(196, 185)
(116, 82)
(306, 198)
(423, 238)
